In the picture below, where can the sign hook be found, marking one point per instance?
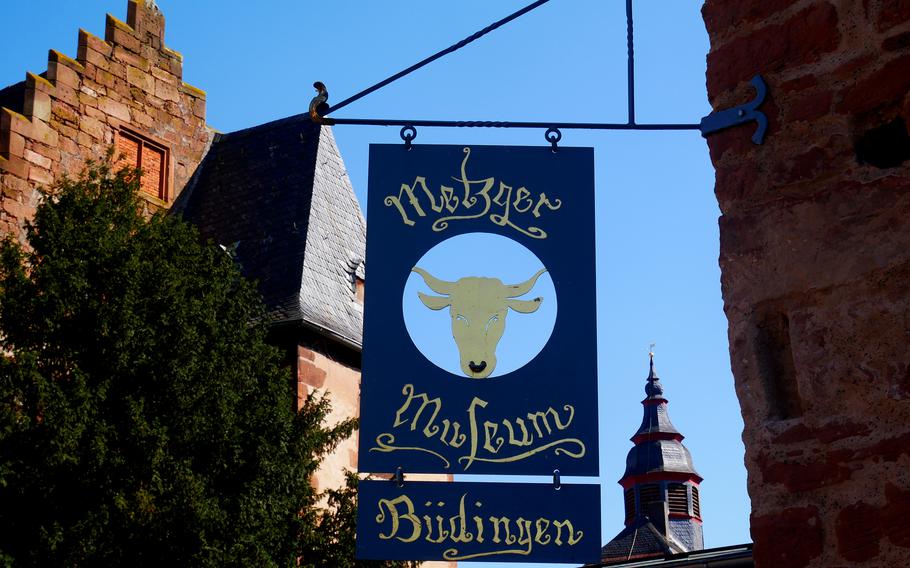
(407, 134)
(553, 136)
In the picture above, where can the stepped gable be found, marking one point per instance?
(279, 196)
(127, 84)
(660, 487)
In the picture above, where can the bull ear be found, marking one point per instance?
(516, 290)
(434, 302)
(525, 306)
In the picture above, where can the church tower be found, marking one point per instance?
(660, 487)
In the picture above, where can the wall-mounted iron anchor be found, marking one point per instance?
(741, 114)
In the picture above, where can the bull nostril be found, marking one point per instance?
(476, 368)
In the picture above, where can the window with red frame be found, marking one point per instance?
(138, 152)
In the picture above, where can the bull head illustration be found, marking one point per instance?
(478, 307)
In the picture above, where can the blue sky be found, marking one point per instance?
(657, 236)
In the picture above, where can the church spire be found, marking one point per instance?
(662, 513)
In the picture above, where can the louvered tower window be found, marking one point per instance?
(135, 151)
(678, 498)
(648, 494)
(629, 499)
(695, 509)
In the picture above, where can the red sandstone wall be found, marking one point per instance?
(128, 79)
(815, 259)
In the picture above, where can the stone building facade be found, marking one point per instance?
(815, 260)
(126, 91)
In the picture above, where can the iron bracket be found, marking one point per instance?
(727, 118)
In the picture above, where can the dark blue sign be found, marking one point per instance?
(518, 522)
(467, 415)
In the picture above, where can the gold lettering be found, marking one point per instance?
(430, 429)
(551, 205)
(534, 416)
(573, 538)
(412, 199)
(476, 198)
(524, 534)
(542, 537)
(506, 524)
(489, 434)
(503, 219)
(469, 200)
(462, 534)
(449, 199)
(522, 194)
(526, 439)
(457, 439)
(472, 420)
(392, 506)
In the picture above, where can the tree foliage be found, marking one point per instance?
(144, 420)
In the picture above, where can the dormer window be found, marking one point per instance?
(136, 151)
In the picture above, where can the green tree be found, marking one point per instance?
(144, 420)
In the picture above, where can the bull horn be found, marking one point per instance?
(435, 284)
(516, 290)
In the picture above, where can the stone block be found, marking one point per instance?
(14, 122)
(801, 39)
(39, 83)
(166, 91)
(892, 13)
(791, 538)
(95, 43)
(122, 38)
(37, 159)
(17, 210)
(163, 74)
(14, 145)
(59, 73)
(67, 94)
(64, 112)
(64, 130)
(199, 108)
(16, 166)
(884, 87)
(41, 177)
(68, 145)
(37, 104)
(84, 141)
(126, 57)
(115, 109)
(92, 127)
(43, 133)
(139, 78)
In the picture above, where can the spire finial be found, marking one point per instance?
(653, 388)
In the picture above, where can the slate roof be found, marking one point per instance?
(279, 195)
(737, 556)
(641, 539)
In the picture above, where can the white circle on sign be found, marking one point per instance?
(472, 306)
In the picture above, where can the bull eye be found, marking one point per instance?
(493, 319)
(462, 318)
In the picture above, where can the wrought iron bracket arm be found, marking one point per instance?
(727, 118)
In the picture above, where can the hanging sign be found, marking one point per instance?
(479, 344)
(518, 522)
(479, 348)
